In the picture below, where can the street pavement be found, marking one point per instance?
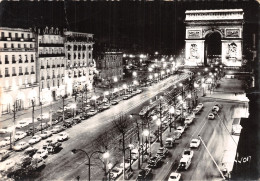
(63, 165)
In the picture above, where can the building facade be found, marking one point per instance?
(50, 64)
(80, 66)
(110, 66)
(18, 83)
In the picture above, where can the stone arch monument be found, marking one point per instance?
(214, 35)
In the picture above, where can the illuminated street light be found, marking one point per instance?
(156, 53)
(206, 69)
(134, 74)
(150, 69)
(150, 76)
(124, 55)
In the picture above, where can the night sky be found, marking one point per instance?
(143, 26)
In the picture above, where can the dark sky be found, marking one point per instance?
(145, 26)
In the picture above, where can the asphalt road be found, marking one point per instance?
(64, 165)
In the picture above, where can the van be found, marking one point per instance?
(184, 163)
(169, 142)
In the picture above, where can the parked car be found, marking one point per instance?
(42, 116)
(215, 109)
(92, 112)
(4, 130)
(169, 143)
(49, 141)
(20, 146)
(30, 151)
(154, 161)
(77, 120)
(127, 163)
(176, 135)
(200, 105)
(25, 161)
(174, 176)
(4, 154)
(19, 135)
(5, 142)
(195, 143)
(41, 153)
(196, 110)
(180, 129)
(68, 123)
(188, 153)
(35, 139)
(106, 106)
(42, 126)
(189, 119)
(22, 124)
(57, 129)
(115, 172)
(211, 116)
(7, 165)
(37, 163)
(30, 131)
(144, 174)
(114, 102)
(139, 91)
(54, 147)
(134, 154)
(63, 136)
(162, 152)
(126, 97)
(45, 134)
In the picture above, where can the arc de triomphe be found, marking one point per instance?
(227, 24)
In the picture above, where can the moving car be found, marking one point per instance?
(35, 139)
(19, 135)
(195, 143)
(162, 152)
(53, 147)
(180, 129)
(215, 109)
(63, 136)
(174, 176)
(6, 130)
(188, 153)
(211, 116)
(41, 153)
(20, 146)
(184, 163)
(5, 141)
(4, 154)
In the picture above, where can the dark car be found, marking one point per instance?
(162, 152)
(54, 147)
(30, 131)
(154, 162)
(144, 174)
(77, 120)
(25, 161)
(84, 116)
(67, 124)
(30, 151)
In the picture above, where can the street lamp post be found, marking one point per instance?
(109, 170)
(161, 143)
(171, 111)
(131, 146)
(146, 134)
(158, 123)
(33, 116)
(73, 106)
(105, 155)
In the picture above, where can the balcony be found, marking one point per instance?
(6, 62)
(75, 76)
(42, 78)
(42, 67)
(58, 76)
(32, 72)
(1, 76)
(20, 73)
(26, 61)
(53, 55)
(53, 76)
(51, 45)
(7, 75)
(58, 65)
(48, 66)
(20, 61)
(62, 65)
(62, 75)
(48, 77)
(26, 73)
(53, 66)
(32, 60)
(14, 74)
(17, 49)
(13, 61)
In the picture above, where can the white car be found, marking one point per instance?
(200, 105)
(174, 176)
(126, 97)
(178, 112)
(195, 143)
(63, 136)
(189, 120)
(4, 154)
(215, 108)
(22, 124)
(37, 163)
(35, 139)
(7, 165)
(106, 106)
(6, 130)
(20, 146)
(5, 141)
(19, 135)
(139, 91)
(43, 116)
(211, 116)
(188, 153)
(180, 129)
(46, 134)
(41, 153)
(92, 112)
(115, 172)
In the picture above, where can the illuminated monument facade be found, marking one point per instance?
(214, 35)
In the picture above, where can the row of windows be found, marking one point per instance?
(53, 40)
(8, 71)
(18, 45)
(111, 73)
(53, 73)
(52, 62)
(79, 47)
(51, 50)
(20, 59)
(21, 81)
(10, 35)
(79, 56)
(52, 83)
